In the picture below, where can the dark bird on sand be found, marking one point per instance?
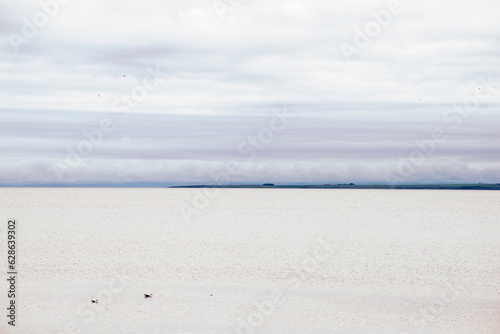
(95, 301)
(148, 295)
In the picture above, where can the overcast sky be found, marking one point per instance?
(187, 92)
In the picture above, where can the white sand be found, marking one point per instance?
(256, 261)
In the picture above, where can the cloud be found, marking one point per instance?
(223, 80)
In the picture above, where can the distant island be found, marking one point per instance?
(267, 185)
(477, 186)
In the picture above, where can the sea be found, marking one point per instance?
(330, 261)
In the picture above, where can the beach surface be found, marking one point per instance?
(254, 261)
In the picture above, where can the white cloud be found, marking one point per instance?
(264, 55)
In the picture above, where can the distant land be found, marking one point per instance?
(465, 186)
(477, 186)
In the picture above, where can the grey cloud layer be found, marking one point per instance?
(145, 146)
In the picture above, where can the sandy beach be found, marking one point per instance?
(256, 261)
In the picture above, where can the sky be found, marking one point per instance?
(287, 92)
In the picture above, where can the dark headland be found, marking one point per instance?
(477, 186)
